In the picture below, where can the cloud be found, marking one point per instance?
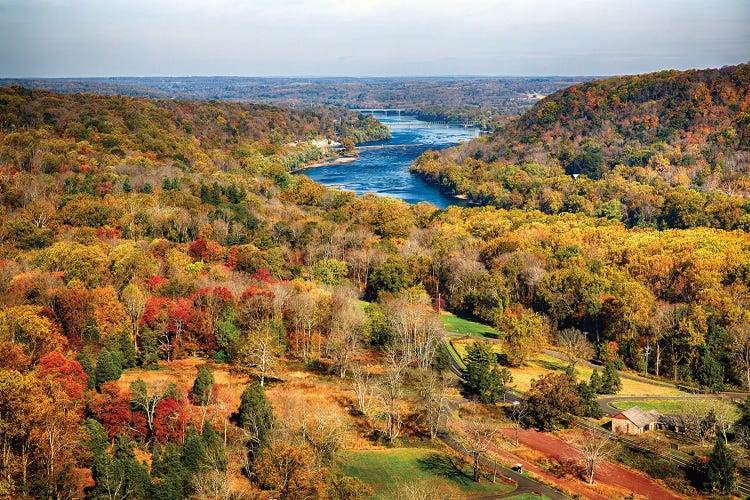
(367, 37)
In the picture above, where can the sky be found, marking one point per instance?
(90, 38)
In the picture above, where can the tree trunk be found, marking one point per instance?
(477, 477)
(658, 358)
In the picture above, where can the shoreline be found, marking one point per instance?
(335, 161)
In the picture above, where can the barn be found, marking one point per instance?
(635, 421)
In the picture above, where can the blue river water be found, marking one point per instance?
(383, 166)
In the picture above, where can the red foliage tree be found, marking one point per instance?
(170, 421)
(262, 275)
(197, 248)
(112, 409)
(74, 309)
(67, 372)
(209, 307)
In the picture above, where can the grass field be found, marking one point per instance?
(671, 406)
(461, 345)
(454, 324)
(388, 471)
(543, 363)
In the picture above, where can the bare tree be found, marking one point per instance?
(574, 345)
(304, 315)
(390, 391)
(324, 428)
(477, 440)
(418, 332)
(134, 302)
(723, 417)
(517, 413)
(147, 400)
(740, 350)
(262, 351)
(696, 421)
(363, 388)
(433, 391)
(594, 447)
(212, 483)
(663, 321)
(345, 333)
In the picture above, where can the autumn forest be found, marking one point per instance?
(182, 315)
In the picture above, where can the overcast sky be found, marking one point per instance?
(69, 38)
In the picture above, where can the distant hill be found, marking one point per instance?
(643, 136)
(462, 98)
(39, 129)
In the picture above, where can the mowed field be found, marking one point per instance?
(393, 472)
(678, 407)
(461, 326)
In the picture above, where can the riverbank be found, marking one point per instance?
(329, 162)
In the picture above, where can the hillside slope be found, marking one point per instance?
(45, 132)
(646, 143)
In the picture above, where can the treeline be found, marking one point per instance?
(459, 97)
(667, 149)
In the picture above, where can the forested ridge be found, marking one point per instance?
(667, 149)
(44, 132)
(474, 99)
(161, 235)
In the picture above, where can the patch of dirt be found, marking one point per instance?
(608, 474)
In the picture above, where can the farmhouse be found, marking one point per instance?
(634, 421)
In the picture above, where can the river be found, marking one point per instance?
(383, 166)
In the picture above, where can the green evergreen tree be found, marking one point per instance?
(381, 334)
(203, 386)
(87, 363)
(256, 415)
(148, 357)
(96, 441)
(595, 382)
(193, 452)
(227, 335)
(126, 186)
(215, 450)
(611, 383)
(390, 276)
(91, 333)
(127, 350)
(120, 475)
(108, 367)
(721, 475)
(710, 373)
(172, 480)
(484, 378)
(589, 406)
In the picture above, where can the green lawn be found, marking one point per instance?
(388, 471)
(671, 406)
(454, 324)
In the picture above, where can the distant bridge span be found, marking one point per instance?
(385, 111)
